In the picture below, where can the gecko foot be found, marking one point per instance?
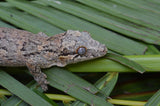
(38, 75)
(41, 80)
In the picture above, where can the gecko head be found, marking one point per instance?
(79, 46)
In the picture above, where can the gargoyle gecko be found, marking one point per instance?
(36, 51)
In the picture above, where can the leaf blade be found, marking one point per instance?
(105, 84)
(64, 81)
(131, 64)
(107, 21)
(154, 100)
(20, 90)
(25, 21)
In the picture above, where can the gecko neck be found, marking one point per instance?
(50, 52)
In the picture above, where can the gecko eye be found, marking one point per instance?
(81, 50)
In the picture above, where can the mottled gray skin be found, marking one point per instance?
(36, 51)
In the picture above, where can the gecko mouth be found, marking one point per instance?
(104, 51)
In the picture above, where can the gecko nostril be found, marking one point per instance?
(105, 50)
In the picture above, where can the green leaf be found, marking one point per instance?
(134, 15)
(151, 63)
(65, 21)
(21, 91)
(154, 100)
(142, 92)
(141, 4)
(152, 50)
(45, 97)
(3, 24)
(25, 21)
(14, 101)
(105, 84)
(75, 86)
(122, 60)
(78, 103)
(2, 99)
(107, 21)
(155, 1)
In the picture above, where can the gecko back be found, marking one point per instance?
(14, 44)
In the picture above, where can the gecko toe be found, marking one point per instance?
(41, 79)
(44, 87)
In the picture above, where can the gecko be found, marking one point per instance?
(20, 48)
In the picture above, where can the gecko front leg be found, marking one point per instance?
(38, 75)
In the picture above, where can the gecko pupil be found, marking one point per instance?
(81, 50)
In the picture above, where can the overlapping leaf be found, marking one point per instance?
(21, 91)
(76, 87)
(106, 20)
(131, 14)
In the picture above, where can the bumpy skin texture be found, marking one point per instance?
(36, 51)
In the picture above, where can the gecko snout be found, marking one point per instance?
(103, 50)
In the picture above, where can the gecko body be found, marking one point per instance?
(36, 51)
